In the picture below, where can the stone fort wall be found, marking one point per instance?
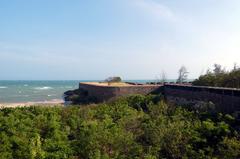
(224, 99)
(105, 93)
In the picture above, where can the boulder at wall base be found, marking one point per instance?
(76, 91)
(78, 96)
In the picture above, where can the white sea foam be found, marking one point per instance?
(50, 95)
(43, 88)
(25, 85)
(3, 87)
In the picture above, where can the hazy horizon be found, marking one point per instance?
(133, 39)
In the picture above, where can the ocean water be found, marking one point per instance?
(34, 91)
(39, 91)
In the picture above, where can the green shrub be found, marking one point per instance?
(131, 127)
(220, 78)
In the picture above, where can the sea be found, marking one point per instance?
(39, 91)
(34, 91)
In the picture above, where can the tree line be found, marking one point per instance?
(220, 77)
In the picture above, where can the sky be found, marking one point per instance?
(134, 39)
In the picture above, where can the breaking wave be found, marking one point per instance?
(3, 87)
(43, 88)
(50, 95)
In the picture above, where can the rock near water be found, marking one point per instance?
(78, 96)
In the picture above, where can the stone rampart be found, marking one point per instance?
(224, 99)
(105, 93)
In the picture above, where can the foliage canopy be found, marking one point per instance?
(219, 77)
(132, 127)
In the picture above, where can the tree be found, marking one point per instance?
(218, 69)
(162, 78)
(219, 77)
(235, 67)
(182, 75)
(113, 79)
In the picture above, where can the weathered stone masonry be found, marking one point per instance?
(105, 93)
(225, 99)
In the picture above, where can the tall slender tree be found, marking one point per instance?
(182, 75)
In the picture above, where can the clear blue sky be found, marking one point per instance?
(134, 39)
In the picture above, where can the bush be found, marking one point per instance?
(113, 79)
(131, 127)
(220, 78)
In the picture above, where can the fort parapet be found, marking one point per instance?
(108, 92)
(225, 99)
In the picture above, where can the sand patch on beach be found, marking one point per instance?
(55, 102)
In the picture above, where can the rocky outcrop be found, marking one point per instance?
(78, 96)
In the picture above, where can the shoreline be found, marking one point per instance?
(28, 104)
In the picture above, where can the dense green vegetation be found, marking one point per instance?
(219, 77)
(132, 127)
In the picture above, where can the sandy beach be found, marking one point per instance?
(28, 104)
